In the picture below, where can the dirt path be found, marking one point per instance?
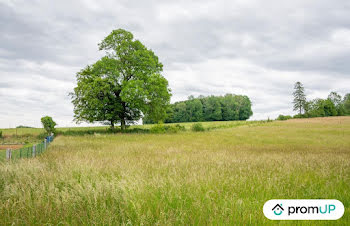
(12, 146)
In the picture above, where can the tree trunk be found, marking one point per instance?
(122, 118)
(122, 122)
(112, 125)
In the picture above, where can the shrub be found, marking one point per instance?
(284, 117)
(41, 136)
(48, 124)
(0, 134)
(180, 127)
(197, 127)
(171, 129)
(300, 116)
(160, 128)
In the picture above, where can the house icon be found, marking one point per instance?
(278, 209)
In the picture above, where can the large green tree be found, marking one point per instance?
(123, 85)
(299, 97)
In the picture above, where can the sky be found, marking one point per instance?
(249, 47)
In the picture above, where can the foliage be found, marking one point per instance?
(21, 127)
(161, 128)
(332, 106)
(299, 97)
(300, 116)
(0, 134)
(336, 99)
(122, 85)
(48, 124)
(284, 117)
(197, 127)
(346, 104)
(212, 108)
(180, 127)
(321, 108)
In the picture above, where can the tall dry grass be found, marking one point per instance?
(220, 177)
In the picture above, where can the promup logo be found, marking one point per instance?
(278, 210)
(303, 209)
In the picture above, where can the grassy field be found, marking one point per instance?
(34, 135)
(187, 125)
(220, 176)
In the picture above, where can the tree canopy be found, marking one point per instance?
(212, 108)
(122, 85)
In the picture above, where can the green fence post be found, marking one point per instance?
(20, 153)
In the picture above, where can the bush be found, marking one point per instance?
(160, 128)
(180, 127)
(300, 116)
(284, 117)
(0, 134)
(197, 127)
(48, 124)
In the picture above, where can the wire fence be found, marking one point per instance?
(26, 152)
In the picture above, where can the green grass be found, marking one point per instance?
(221, 176)
(32, 135)
(22, 131)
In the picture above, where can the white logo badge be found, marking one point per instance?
(303, 209)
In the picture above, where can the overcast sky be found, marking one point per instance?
(256, 48)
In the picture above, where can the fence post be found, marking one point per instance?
(45, 143)
(8, 154)
(34, 151)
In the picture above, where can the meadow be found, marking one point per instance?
(223, 175)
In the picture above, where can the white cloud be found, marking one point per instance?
(256, 48)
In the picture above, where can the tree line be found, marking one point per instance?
(211, 108)
(333, 105)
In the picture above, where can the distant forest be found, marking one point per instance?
(212, 108)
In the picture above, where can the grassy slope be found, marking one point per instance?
(218, 177)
